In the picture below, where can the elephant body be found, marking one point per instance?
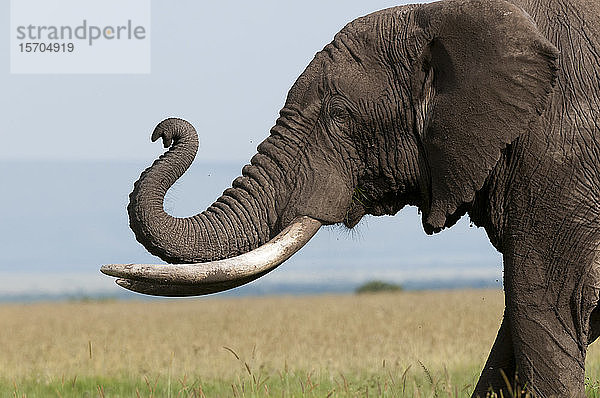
(485, 107)
(541, 210)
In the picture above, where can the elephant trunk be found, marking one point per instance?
(241, 220)
(233, 225)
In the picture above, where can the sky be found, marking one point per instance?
(225, 67)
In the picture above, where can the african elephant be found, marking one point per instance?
(485, 107)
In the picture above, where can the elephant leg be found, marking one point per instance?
(550, 299)
(500, 361)
(549, 360)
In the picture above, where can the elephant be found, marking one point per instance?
(489, 108)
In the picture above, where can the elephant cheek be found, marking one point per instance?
(323, 194)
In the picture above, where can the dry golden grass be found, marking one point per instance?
(431, 343)
(340, 334)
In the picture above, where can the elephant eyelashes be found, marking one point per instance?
(338, 112)
(339, 115)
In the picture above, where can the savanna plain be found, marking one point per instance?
(407, 344)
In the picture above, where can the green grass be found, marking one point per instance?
(385, 383)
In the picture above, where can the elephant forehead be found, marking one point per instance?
(355, 64)
(305, 91)
(325, 75)
(358, 84)
(361, 61)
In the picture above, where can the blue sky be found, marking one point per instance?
(226, 67)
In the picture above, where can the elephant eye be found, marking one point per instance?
(338, 112)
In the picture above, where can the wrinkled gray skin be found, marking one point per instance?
(455, 107)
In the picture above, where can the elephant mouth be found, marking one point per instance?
(358, 208)
(388, 203)
(179, 280)
(354, 214)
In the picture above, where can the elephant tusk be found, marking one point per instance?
(178, 280)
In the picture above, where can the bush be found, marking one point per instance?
(378, 286)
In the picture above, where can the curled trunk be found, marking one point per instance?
(234, 224)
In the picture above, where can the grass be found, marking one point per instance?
(426, 344)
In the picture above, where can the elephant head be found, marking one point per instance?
(408, 105)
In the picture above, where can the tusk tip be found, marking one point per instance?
(115, 270)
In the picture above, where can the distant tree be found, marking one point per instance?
(378, 286)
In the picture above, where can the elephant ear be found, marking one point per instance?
(485, 76)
